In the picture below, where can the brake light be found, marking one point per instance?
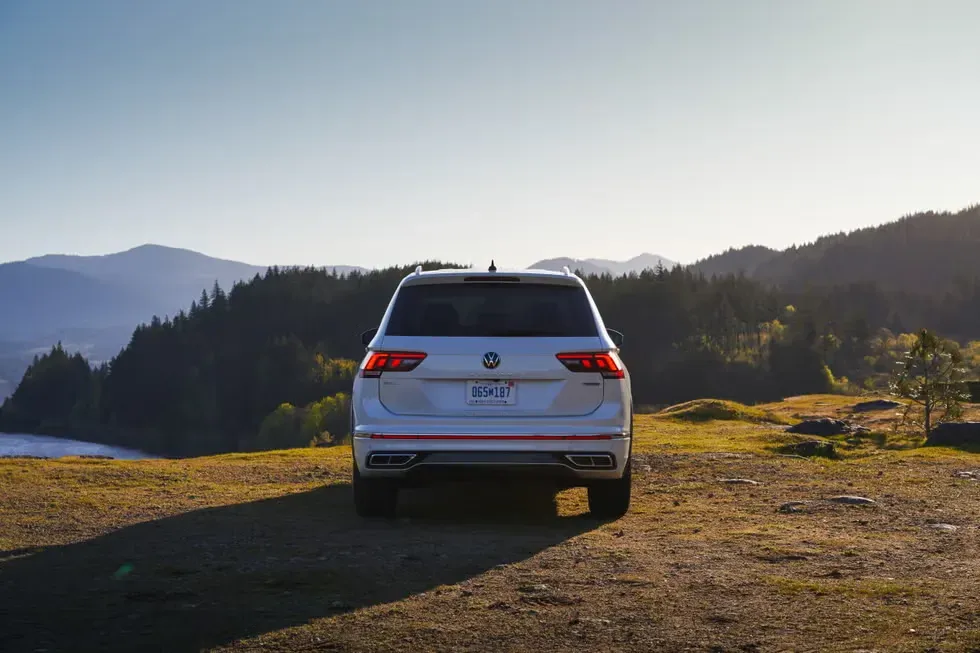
(391, 361)
(602, 362)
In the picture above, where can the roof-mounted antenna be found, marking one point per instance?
(418, 269)
(566, 271)
(493, 268)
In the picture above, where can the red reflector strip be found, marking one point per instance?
(379, 436)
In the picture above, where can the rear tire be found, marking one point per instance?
(611, 499)
(374, 497)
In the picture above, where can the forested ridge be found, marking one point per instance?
(922, 253)
(269, 362)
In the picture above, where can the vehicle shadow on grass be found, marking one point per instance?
(217, 575)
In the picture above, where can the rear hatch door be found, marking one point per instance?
(491, 350)
(455, 379)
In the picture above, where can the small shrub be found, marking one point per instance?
(324, 422)
(281, 429)
(327, 421)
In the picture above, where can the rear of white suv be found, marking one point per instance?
(479, 374)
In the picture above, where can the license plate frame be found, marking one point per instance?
(492, 396)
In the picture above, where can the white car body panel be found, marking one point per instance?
(425, 411)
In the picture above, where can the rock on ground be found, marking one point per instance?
(853, 500)
(876, 404)
(793, 506)
(955, 434)
(810, 448)
(824, 426)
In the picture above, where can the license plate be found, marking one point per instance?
(491, 393)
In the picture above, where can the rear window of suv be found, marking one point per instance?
(492, 310)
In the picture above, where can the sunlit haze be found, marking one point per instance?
(376, 133)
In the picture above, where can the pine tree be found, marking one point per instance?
(218, 297)
(931, 379)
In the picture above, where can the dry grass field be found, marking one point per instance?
(262, 552)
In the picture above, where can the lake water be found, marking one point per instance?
(43, 445)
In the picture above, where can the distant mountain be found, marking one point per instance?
(600, 266)
(92, 303)
(154, 266)
(925, 254)
(38, 300)
(39, 303)
(170, 276)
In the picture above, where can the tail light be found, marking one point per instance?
(391, 361)
(597, 363)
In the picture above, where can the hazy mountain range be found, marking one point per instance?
(55, 292)
(92, 303)
(601, 266)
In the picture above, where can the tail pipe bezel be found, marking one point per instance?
(591, 460)
(392, 460)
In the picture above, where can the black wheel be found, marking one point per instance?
(374, 497)
(611, 499)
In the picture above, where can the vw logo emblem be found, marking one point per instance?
(491, 360)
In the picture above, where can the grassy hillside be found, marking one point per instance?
(262, 552)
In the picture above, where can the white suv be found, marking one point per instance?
(482, 373)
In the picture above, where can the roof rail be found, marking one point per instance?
(418, 269)
(565, 270)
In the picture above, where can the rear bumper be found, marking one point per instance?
(569, 459)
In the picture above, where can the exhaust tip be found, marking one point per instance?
(590, 461)
(390, 459)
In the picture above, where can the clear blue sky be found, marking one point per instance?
(382, 132)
